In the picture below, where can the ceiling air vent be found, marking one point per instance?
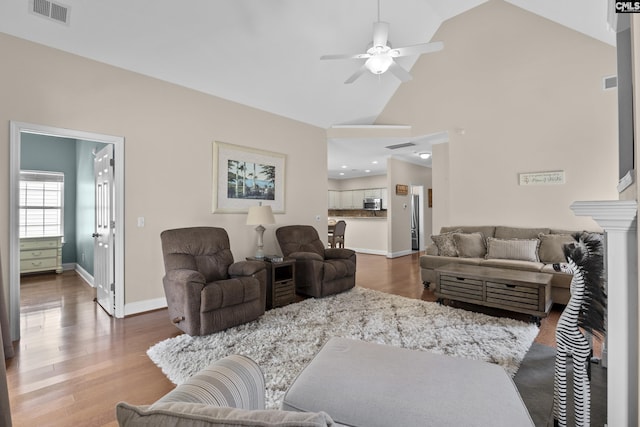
(610, 82)
(403, 145)
(57, 12)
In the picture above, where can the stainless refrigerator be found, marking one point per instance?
(415, 222)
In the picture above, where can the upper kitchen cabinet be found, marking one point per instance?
(352, 199)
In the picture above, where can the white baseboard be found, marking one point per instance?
(399, 254)
(85, 275)
(369, 251)
(146, 305)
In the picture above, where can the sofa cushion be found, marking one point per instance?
(551, 248)
(514, 264)
(470, 245)
(180, 414)
(503, 232)
(519, 249)
(486, 230)
(444, 242)
(434, 261)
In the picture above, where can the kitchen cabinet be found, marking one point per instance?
(372, 193)
(346, 200)
(334, 199)
(352, 199)
(356, 199)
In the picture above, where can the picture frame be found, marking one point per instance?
(244, 177)
(402, 189)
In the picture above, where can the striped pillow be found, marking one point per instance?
(517, 249)
(234, 381)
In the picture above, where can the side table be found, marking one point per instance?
(281, 281)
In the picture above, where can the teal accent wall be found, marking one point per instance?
(46, 153)
(74, 158)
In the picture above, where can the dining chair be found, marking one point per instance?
(336, 239)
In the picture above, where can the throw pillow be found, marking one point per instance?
(445, 244)
(518, 249)
(470, 245)
(551, 249)
(198, 414)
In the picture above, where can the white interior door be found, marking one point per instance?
(103, 237)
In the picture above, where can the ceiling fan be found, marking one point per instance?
(380, 55)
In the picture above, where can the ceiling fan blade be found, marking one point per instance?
(355, 75)
(346, 56)
(417, 49)
(399, 72)
(380, 33)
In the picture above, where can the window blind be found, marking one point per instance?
(41, 204)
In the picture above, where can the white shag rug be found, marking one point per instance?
(284, 340)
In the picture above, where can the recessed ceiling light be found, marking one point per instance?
(344, 166)
(341, 173)
(425, 155)
(367, 170)
(375, 162)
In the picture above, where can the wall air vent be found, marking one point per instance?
(403, 145)
(53, 11)
(610, 82)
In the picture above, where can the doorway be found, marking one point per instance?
(417, 218)
(17, 130)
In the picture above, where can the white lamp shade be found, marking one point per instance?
(260, 215)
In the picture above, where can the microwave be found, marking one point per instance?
(372, 204)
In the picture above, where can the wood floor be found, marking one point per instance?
(74, 362)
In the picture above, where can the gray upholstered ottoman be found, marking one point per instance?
(365, 384)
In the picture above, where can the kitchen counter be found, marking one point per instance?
(357, 213)
(365, 234)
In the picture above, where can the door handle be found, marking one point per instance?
(96, 235)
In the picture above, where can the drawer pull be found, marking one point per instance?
(36, 253)
(510, 286)
(460, 279)
(36, 263)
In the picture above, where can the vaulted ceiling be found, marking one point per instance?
(265, 54)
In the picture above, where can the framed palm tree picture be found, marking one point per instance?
(244, 177)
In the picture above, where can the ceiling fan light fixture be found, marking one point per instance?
(379, 64)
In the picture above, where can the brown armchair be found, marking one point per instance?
(206, 291)
(319, 271)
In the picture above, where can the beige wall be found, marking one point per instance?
(528, 95)
(168, 133)
(399, 207)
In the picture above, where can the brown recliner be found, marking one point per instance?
(206, 291)
(319, 271)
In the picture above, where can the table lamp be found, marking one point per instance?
(259, 215)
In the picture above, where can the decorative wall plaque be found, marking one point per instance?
(542, 178)
(402, 190)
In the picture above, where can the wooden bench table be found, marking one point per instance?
(526, 292)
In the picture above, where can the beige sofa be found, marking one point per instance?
(531, 249)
